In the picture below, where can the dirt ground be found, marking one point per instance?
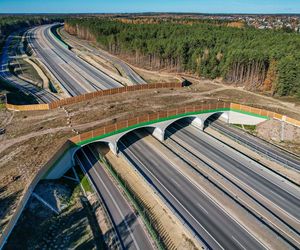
(272, 131)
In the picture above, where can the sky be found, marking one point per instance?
(127, 6)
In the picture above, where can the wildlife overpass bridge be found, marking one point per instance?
(157, 123)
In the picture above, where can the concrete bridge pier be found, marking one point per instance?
(113, 147)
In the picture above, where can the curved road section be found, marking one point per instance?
(40, 95)
(129, 72)
(74, 75)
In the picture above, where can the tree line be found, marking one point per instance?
(12, 23)
(263, 60)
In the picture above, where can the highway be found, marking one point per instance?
(279, 191)
(271, 151)
(127, 223)
(40, 95)
(129, 72)
(75, 75)
(207, 218)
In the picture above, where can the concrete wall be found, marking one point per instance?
(54, 162)
(244, 119)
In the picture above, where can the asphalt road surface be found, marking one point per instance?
(128, 225)
(130, 73)
(75, 75)
(259, 145)
(274, 188)
(40, 95)
(208, 220)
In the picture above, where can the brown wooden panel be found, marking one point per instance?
(86, 136)
(159, 85)
(189, 109)
(110, 128)
(99, 131)
(278, 116)
(162, 114)
(121, 124)
(293, 121)
(264, 112)
(75, 139)
(256, 111)
(180, 110)
(132, 121)
(172, 112)
(151, 86)
(198, 108)
(144, 118)
(153, 116)
(235, 106)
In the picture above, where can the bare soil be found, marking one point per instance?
(271, 130)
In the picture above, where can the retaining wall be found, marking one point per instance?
(263, 113)
(29, 189)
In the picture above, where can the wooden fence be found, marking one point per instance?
(144, 119)
(264, 112)
(89, 96)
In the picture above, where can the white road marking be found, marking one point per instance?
(114, 201)
(238, 243)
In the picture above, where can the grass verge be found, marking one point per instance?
(83, 180)
(249, 128)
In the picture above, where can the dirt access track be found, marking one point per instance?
(31, 138)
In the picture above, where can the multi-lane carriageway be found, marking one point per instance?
(201, 213)
(206, 217)
(74, 75)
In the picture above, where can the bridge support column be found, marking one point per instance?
(198, 123)
(113, 147)
(159, 134)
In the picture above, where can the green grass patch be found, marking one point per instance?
(83, 180)
(249, 128)
(86, 185)
(55, 33)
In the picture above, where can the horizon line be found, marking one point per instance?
(148, 12)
